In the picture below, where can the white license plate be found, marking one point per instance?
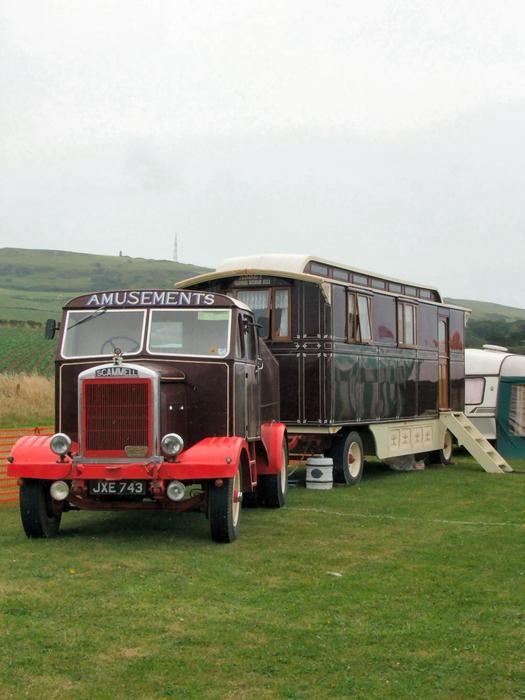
(117, 488)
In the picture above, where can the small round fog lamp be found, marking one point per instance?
(59, 490)
(172, 444)
(60, 444)
(175, 490)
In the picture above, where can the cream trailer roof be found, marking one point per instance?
(290, 265)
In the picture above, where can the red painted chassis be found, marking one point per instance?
(213, 458)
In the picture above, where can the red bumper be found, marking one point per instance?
(211, 458)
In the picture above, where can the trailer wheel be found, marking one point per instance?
(273, 488)
(349, 458)
(446, 455)
(40, 516)
(224, 508)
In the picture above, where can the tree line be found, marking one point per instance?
(510, 334)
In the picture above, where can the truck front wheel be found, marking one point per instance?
(40, 514)
(273, 488)
(224, 508)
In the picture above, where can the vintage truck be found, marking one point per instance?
(165, 400)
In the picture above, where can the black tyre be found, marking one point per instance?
(224, 509)
(446, 455)
(349, 458)
(40, 514)
(273, 488)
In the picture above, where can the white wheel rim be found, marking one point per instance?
(236, 504)
(354, 459)
(447, 446)
(284, 471)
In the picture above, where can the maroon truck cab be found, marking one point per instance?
(165, 399)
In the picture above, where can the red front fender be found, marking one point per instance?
(32, 457)
(211, 458)
(272, 436)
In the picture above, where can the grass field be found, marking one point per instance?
(408, 586)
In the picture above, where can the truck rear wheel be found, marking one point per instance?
(40, 516)
(224, 509)
(273, 488)
(349, 458)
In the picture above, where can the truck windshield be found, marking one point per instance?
(195, 332)
(88, 334)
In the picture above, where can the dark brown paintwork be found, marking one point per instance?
(199, 398)
(326, 380)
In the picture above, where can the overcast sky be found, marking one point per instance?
(386, 135)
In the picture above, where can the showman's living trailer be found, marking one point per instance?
(366, 362)
(495, 397)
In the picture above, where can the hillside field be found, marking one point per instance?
(23, 349)
(34, 285)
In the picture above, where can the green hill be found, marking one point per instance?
(486, 311)
(34, 284)
(495, 324)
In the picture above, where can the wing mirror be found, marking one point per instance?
(51, 329)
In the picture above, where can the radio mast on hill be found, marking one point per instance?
(176, 248)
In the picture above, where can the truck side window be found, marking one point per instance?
(250, 345)
(239, 339)
(246, 340)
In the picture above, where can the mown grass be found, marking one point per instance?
(408, 586)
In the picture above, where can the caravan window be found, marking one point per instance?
(359, 326)
(271, 308)
(474, 390)
(517, 410)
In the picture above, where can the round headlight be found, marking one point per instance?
(172, 444)
(60, 444)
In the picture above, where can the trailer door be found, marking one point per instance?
(510, 417)
(444, 363)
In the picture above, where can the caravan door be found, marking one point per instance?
(510, 417)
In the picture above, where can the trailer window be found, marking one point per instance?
(359, 327)
(271, 308)
(281, 314)
(101, 331)
(259, 302)
(194, 332)
(406, 324)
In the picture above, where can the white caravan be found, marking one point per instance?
(495, 397)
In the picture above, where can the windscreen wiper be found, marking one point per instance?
(95, 314)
